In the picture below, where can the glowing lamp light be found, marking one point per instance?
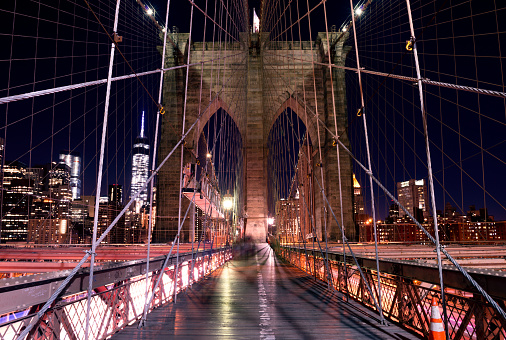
(270, 220)
(358, 11)
(149, 11)
(228, 202)
(344, 29)
(209, 155)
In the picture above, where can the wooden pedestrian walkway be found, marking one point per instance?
(260, 297)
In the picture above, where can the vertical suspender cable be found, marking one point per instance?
(153, 163)
(100, 171)
(182, 151)
(198, 142)
(326, 261)
(309, 157)
(429, 167)
(369, 171)
(343, 236)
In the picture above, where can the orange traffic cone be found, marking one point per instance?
(436, 328)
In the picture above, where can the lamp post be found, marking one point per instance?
(228, 204)
(270, 223)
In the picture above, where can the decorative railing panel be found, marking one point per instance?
(113, 306)
(406, 301)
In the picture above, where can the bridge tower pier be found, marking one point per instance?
(251, 87)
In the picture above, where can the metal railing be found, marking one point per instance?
(407, 301)
(114, 305)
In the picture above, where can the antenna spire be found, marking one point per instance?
(142, 125)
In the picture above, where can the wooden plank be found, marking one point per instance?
(261, 297)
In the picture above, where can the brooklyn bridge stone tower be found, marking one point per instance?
(255, 80)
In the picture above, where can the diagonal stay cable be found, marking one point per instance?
(64, 284)
(404, 54)
(494, 304)
(121, 53)
(406, 78)
(8, 99)
(207, 16)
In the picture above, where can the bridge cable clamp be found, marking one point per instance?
(117, 38)
(410, 43)
(89, 252)
(369, 172)
(360, 111)
(441, 246)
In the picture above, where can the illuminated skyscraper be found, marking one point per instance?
(412, 195)
(73, 161)
(358, 202)
(140, 168)
(116, 194)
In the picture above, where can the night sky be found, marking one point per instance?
(61, 43)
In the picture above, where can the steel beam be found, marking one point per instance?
(492, 281)
(22, 292)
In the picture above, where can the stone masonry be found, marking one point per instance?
(254, 81)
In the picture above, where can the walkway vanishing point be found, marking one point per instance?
(259, 296)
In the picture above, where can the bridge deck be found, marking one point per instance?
(260, 297)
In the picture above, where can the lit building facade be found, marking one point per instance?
(358, 203)
(18, 192)
(412, 195)
(140, 168)
(288, 222)
(59, 188)
(116, 194)
(48, 231)
(2, 149)
(73, 161)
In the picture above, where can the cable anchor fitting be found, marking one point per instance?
(360, 111)
(117, 38)
(90, 252)
(161, 109)
(410, 43)
(441, 246)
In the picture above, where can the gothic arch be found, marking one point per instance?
(210, 110)
(296, 107)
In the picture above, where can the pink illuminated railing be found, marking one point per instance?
(405, 301)
(116, 305)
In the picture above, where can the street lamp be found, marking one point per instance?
(228, 203)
